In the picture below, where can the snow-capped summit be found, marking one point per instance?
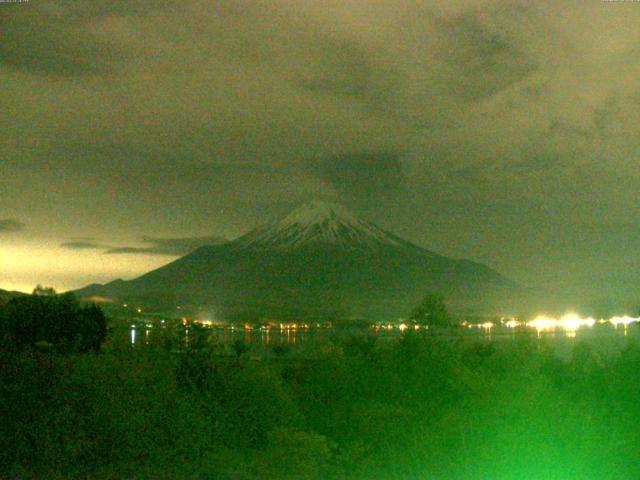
(317, 212)
(319, 222)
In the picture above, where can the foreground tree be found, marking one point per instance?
(432, 311)
(51, 319)
(239, 348)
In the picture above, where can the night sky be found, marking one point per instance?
(501, 131)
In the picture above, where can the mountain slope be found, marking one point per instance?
(5, 295)
(320, 260)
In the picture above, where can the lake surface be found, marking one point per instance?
(606, 339)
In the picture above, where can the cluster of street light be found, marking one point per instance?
(570, 322)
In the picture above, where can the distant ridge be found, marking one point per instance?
(5, 295)
(320, 260)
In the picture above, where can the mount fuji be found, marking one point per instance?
(320, 261)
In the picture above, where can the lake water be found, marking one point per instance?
(605, 339)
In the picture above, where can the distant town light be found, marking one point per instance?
(570, 322)
(624, 320)
(542, 322)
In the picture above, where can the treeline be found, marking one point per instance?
(50, 321)
(423, 407)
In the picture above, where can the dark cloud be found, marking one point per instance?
(477, 128)
(169, 246)
(362, 175)
(51, 41)
(67, 38)
(346, 70)
(9, 225)
(156, 246)
(82, 245)
(475, 49)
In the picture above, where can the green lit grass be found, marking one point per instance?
(416, 408)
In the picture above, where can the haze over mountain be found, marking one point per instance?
(319, 260)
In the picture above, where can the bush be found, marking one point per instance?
(419, 407)
(293, 454)
(56, 321)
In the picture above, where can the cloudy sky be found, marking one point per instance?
(503, 131)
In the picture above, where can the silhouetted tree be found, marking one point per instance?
(44, 291)
(240, 348)
(281, 350)
(92, 328)
(432, 311)
(57, 320)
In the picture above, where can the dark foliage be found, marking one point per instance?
(423, 406)
(432, 311)
(54, 321)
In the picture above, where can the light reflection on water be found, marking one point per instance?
(605, 338)
(133, 334)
